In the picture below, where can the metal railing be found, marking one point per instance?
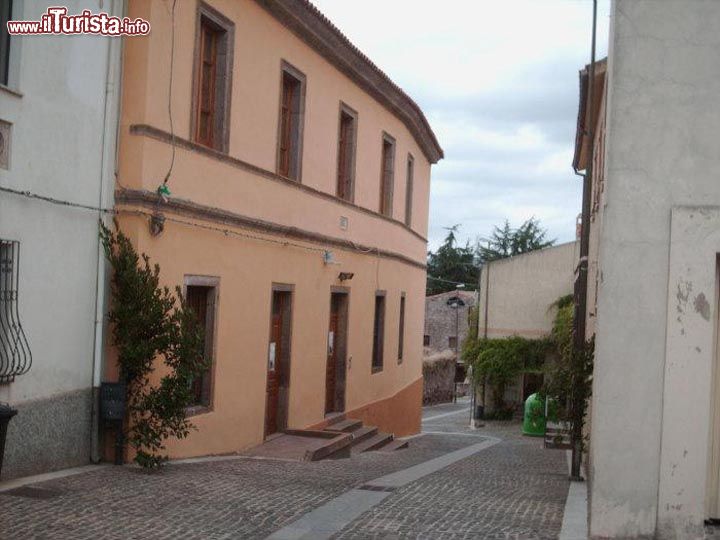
(15, 355)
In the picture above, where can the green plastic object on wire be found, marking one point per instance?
(534, 421)
(164, 191)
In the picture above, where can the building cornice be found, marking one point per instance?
(310, 25)
(153, 204)
(163, 136)
(586, 122)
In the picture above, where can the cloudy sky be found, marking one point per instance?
(498, 81)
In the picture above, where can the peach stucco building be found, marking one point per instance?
(299, 178)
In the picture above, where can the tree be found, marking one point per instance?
(451, 264)
(150, 325)
(505, 241)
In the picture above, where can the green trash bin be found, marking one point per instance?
(534, 421)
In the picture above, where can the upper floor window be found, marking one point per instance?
(5, 14)
(346, 153)
(409, 190)
(292, 109)
(387, 175)
(213, 76)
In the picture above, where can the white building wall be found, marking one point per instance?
(62, 146)
(657, 304)
(517, 294)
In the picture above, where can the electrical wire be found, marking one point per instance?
(53, 200)
(224, 231)
(450, 281)
(170, 85)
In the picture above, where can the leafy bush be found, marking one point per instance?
(148, 323)
(569, 378)
(498, 362)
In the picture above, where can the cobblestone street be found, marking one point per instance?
(512, 489)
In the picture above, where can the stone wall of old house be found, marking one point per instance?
(440, 320)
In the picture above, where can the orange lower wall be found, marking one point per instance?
(400, 414)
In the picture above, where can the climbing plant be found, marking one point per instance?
(150, 324)
(568, 378)
(498, 362)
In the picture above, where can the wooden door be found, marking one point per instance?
(332, 356)
(275, 364)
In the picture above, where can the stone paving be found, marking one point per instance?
(514, 489)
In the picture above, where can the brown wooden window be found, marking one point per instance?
(292, 105)
(378, 332)
(409, 190)
(5, 15)
(452, 342)
(346, 154)
(387, 175)
(201, 299)
(401, 329)
(213, 74)
(426, 340)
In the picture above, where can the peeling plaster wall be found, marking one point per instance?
(652, 391)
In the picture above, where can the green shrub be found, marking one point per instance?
(149, 323)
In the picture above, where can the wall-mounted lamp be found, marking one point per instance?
(157, 224)
(345, 276)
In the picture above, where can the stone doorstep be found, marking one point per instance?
(346, 426)
(363, 433)
(395, 444)
(373, 443)
(336, 444)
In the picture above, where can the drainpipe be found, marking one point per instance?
(581, 283)
(109, 152)
(485, 330)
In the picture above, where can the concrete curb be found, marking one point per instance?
(27, 480)
(574, 524)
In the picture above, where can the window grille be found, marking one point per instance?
(15, 355)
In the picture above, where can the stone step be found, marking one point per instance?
(345, 426)
(334, 418)
(363, 434)
(393, 445)
(373, 443)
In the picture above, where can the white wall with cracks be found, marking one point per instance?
(687, 442)
(651, 411)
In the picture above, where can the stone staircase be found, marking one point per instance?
(364, 438)
(337, 437)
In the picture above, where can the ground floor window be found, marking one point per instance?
(378, 331)
(201, 298)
